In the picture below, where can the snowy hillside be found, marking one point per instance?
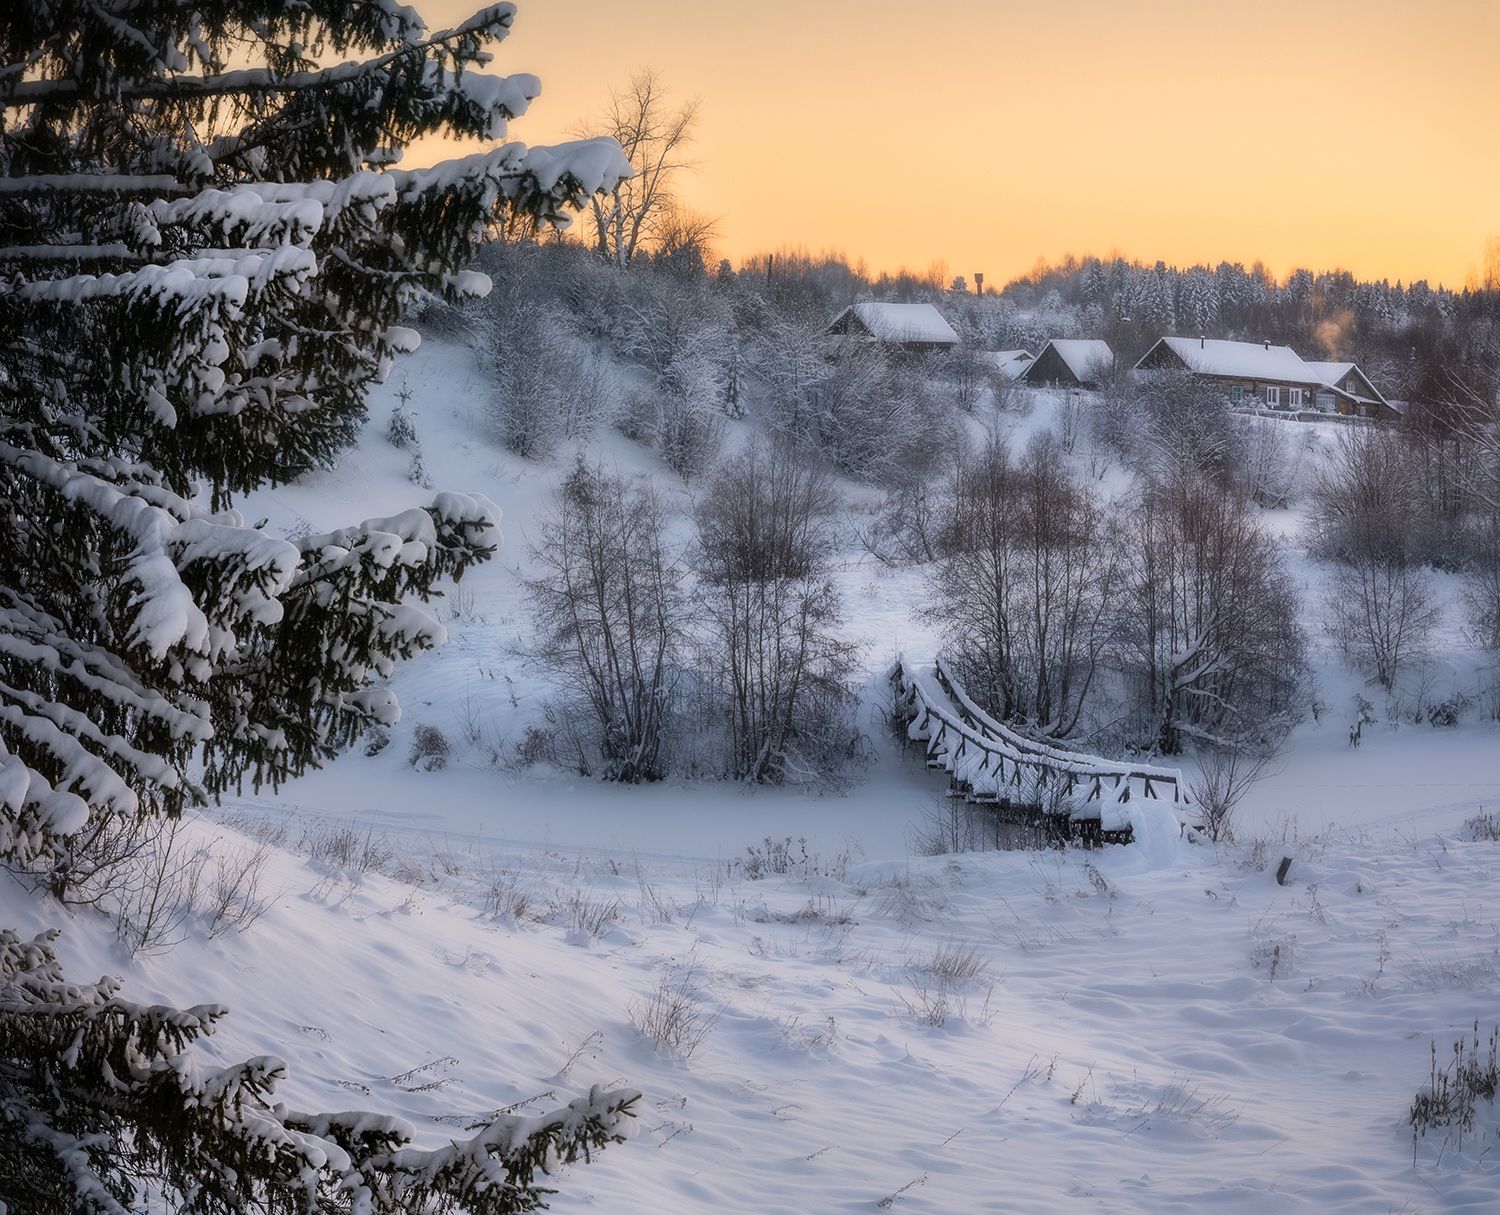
(844, 1024)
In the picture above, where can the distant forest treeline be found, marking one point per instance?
(1395, 331)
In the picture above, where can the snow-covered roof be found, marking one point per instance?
(1259, 361)
(1330, 373)
(1085, 357)
(901, 322)
(1335, 373)
(1009, 363)
(1247, 360)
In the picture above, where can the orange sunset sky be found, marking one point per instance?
(1361, 134)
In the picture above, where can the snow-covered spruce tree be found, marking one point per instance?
(203, 251)
(99, 1097)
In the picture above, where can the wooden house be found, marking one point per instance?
(1070, 363)
(1271, 377)
(918, 328)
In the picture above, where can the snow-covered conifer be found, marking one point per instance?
(101, 1097)
(204, 251)
(201, 267)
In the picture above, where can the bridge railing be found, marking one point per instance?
(1155, 781)
(992, 763)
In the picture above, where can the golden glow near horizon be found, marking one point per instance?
(1353, 134)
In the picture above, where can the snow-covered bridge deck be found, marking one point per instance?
(990, 764)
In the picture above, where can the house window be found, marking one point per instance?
(1294, 397)
(1236, 393)
(1273, 398)
(1326, 402)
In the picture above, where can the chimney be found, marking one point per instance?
(1202, 342)
(979, 282)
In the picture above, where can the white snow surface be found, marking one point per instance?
(1154, 1028)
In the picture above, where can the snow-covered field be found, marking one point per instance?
(1111, 1031)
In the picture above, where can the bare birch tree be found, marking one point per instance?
(654, 134)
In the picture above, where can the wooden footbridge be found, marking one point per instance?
(1074, 795)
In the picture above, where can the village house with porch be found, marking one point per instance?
(1258, 374)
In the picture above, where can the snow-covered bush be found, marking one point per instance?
(429, 748)
(1272, 461)
(400, 431)
(548, 385)
(1481, 597)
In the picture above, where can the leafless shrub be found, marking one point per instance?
(1276, 955)
(1226, 774)
(234, 897)
(656, 906)
(470, 718)
(1454, 1090)
(954, 965)
(1463, 973)
(931, 1001)
(1272, 468)
(909, 899)
(926, 1003)
(1481, 590)
(788, 857)
(1483, 826)
(674, 1017)
(153, 907)
(508, 894)
(1183, 1100)
(173, 884)
(537, 745)
(1382, 612)
(272, 829)
(1025, 586)
(589, 1047)
(464, 601)
(590, 915)
(1213, 640)
(347, 848)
